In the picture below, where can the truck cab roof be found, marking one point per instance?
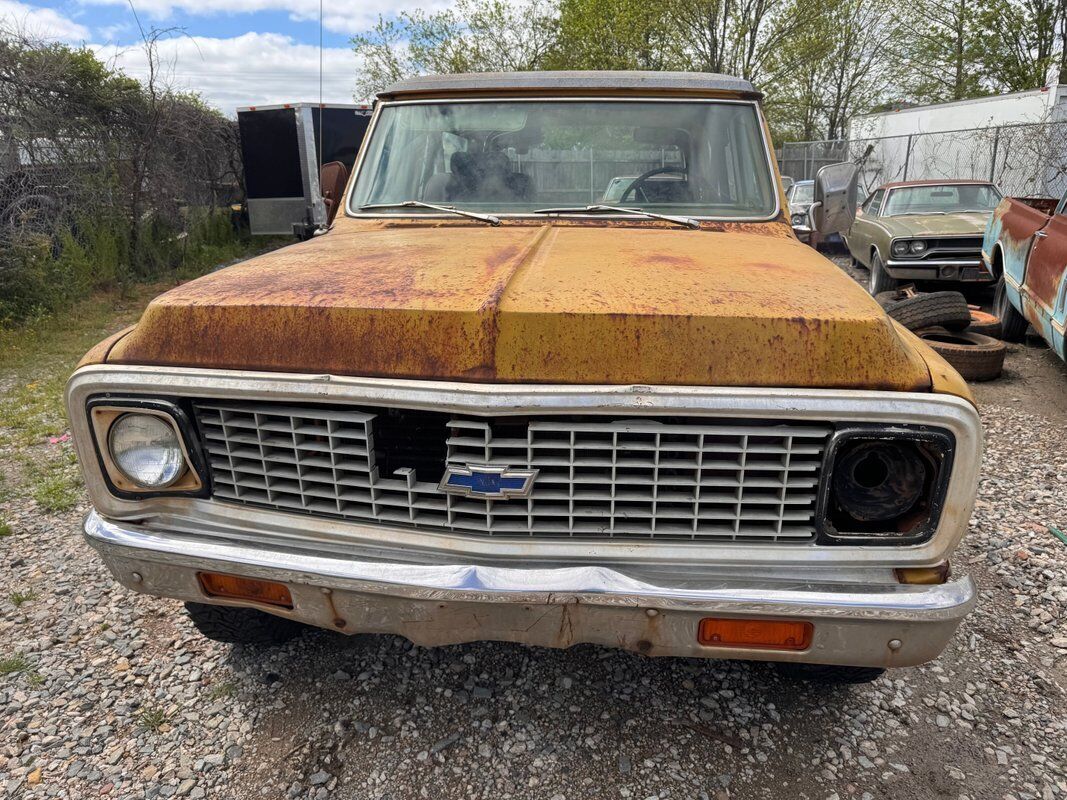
(692, 84)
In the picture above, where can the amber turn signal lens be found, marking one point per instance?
(924, 576)
(234, 587)
(763, 634)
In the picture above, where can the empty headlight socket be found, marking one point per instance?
(916, 524)
(103, 410)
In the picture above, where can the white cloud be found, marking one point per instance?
(247, 70)
(45, 23)
(340, 16)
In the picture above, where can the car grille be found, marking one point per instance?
(665, 478)
(953, 247)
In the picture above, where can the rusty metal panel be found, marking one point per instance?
(729, 305)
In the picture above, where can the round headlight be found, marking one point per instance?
(878, 481)
(918, 246)
(146, 449)
(900, 248)
(798, 220)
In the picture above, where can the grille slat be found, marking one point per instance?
(635, 478)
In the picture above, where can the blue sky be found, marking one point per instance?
(234, 52)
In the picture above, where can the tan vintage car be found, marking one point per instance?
(484, 405)
(923, 231)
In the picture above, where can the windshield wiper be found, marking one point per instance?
(684, 221)
(494, 221)
(916, 213)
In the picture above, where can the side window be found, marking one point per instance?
(1062, 207)
(874, 202)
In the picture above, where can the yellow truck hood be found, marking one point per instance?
(745, 305)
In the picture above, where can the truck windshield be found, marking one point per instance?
(945, 199)
(504, 157)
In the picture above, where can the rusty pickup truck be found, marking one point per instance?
(487, 405)
(1025, 247)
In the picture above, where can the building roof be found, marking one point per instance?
(572, 81)
(989, 98)
(934, 182)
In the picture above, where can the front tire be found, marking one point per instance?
(1012, 324)
(880, 280)
(234, 625)
(828, 674)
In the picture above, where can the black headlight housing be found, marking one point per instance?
(883, 485)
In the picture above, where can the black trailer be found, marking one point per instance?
(279, 145)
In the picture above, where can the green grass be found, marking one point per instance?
(14, 665)
(221, 690)
(18, 598)
(56, 491)
(35, 679)
(5, 529)
(152, 719)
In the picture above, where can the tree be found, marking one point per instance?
(1022, 43)
(476, 36)
(940, 46)
(752, 39)
(842, 68)
(613, 34)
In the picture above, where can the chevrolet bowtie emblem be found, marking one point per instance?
(493, 483)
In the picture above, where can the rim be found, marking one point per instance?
(871, 280)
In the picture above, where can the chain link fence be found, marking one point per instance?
(1028, 160)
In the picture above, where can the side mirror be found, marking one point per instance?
(787, 183)
(834, 208)
(333, 177)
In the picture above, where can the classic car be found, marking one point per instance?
(800, 196)
(465, 413)
(1025, 248)
(923, 231)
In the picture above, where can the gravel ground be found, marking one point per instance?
(107, 693)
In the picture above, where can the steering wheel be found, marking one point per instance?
(640, 179)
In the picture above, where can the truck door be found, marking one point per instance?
(1044, 284)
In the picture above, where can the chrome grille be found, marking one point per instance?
(632, 478)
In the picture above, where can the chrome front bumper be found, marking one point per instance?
(862, 624)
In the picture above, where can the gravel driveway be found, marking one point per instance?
(107, 693)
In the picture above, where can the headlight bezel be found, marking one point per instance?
(940, 447)
(798, 220)
(900, 248)
(104, 411)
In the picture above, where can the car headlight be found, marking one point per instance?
(900, 248)
(918, 246)
(146, 449)
(799, 220)
(885, 485)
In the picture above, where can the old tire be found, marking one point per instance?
(828, 674)
(975, 357)
(892, 296)
(1012, 324)
(931, 310)
(880, 280)
(234, 625)
(984, 324)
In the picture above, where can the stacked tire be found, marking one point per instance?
(962, 336)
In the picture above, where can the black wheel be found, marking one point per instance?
(827, 673)
(234, 625)
(1012, 324)
(880, 280)
(931, 310)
